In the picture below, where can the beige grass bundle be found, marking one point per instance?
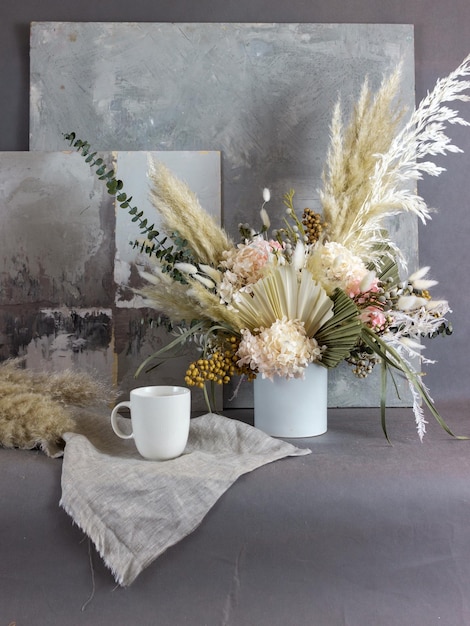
(181, 212)
(354, 151)
(36, 409)
(185, 304)
(165, 294)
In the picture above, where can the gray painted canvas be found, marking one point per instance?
(67, 269)
(261, 94)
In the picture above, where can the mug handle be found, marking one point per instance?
(114, 423)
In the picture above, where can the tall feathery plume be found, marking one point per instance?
(181, 212)
(405, 162)
(354, 151)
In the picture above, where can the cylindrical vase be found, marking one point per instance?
(292, 407)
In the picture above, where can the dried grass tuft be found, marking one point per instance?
(36, 409)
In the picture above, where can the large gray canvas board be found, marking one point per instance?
(67, 271)
(261, 94)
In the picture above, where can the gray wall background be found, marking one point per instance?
(441, 42)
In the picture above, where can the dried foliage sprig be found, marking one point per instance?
(151, 242)
(115, 187)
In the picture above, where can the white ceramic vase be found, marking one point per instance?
(292, 407)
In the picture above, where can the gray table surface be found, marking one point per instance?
(358, 533)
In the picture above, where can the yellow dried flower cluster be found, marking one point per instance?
(218, 367)
(313, 225)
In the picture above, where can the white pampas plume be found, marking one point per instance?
(390, 187)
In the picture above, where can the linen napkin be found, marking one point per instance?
(133, 509)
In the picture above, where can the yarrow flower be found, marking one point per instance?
(283, 349)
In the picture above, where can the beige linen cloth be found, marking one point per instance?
(133, 509)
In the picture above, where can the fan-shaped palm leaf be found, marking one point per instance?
(340, 333)
(284, 292)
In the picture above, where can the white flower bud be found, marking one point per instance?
(410, 303)
(211, 272)
(207, 282)
(298, 258)
(367, 281)
(416, 279)
(265, 218)
(266, 194)
(424, 284)
(421, 273)
(186, 268)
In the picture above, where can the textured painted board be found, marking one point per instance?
(56, 266)
(261, 94)
(67, 269)
(56, 229)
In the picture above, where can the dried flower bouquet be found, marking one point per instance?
(325, 287)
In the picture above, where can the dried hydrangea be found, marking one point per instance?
(342, 268)
(283, 349)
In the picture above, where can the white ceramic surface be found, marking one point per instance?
(160, 420)
(292, 407)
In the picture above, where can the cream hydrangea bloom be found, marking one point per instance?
(283, 349)
(341, 268)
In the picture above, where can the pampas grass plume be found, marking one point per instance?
(36, 409)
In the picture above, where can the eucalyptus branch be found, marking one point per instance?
(167, 251)
(114, 186)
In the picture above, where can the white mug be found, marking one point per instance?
(160, 421)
